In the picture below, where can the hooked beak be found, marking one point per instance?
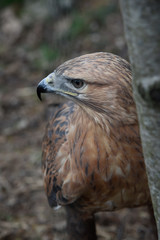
(49, 85)
(46, 85)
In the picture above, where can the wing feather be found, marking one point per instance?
(56, 159)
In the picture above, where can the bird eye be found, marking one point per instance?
(77, 83)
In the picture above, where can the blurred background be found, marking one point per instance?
(35, 37)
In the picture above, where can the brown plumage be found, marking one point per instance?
(92, 155)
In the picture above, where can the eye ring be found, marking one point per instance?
(77, 83)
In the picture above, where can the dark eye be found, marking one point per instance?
(77, 83)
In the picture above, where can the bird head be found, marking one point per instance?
(99, 82)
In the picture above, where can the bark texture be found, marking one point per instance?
(142, 30)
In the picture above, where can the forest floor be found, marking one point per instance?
(31, 46)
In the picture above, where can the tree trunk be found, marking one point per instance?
(142, 30)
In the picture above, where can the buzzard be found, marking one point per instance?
(92, 155)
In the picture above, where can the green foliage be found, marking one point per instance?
(102, 12)
(5, 3)
(49, 53)
(46, 56)
(81, 21)
(79, 26)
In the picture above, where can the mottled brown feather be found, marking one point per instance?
(92, 154)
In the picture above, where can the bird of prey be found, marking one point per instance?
(92, 156)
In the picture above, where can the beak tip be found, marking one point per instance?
(39, 91)
(43, 87)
